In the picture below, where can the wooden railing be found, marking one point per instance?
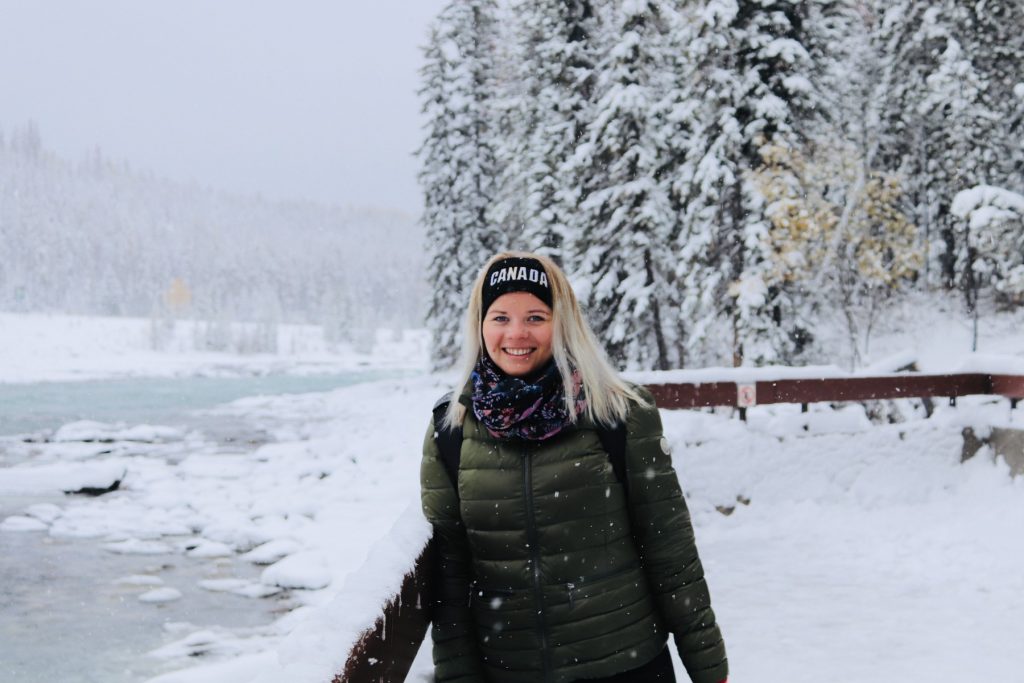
(804, 391)
(384, 653)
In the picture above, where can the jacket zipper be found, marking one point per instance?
(538, 591)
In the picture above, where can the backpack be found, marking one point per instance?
(449, 444)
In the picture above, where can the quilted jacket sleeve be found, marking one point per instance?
(457, 657)
(661, 523)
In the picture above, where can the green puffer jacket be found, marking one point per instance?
(550, 573)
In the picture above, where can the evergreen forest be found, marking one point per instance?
(725, 181)
(101, 238)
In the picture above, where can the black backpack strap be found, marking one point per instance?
(613, 439)
(449, 442)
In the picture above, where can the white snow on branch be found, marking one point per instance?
(984, 205)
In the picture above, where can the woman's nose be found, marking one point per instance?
(518, 329)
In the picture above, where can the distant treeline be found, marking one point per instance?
(727, 180)
(97, 237)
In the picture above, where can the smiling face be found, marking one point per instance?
(517, 333)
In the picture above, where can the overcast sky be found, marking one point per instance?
(310, 99)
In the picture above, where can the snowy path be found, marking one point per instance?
(867, 553)
(866, 558)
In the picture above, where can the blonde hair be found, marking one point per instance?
(573, 345)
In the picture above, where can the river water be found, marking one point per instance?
(45, 405)
(63, 617)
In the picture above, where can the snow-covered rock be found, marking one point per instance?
(60, 477)
(272, 551)
(208, 549)
(222, 585)
(308, 570)
(45, 512)
(87, 430)
(159, 595)
(105, 432)
(134, 546)
(257, 590)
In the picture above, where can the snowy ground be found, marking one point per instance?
(866, 552)
(38, 347)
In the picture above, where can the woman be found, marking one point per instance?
(551, 568)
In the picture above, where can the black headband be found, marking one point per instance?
(516, 275)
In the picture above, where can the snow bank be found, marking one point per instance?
(992, 364)
(57, 347)
(318, 647)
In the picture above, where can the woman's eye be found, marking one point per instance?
(537, 318)
(500, 318)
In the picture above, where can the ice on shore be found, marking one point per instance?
(257, 590)
(22, 523)
(158, 595)
(248, 589)
(222, 585)
(90, 431)
(139, 580)
(134, 546)
(45, 512)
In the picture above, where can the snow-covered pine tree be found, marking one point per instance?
(458, 167)
(512, 121)
(990, 33)
(752, 88)
(625, 214)
(673, 119)
(1015, 126)
(554, 77)
(992, 225)
(941, 130)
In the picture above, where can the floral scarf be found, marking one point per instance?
(511, 407)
